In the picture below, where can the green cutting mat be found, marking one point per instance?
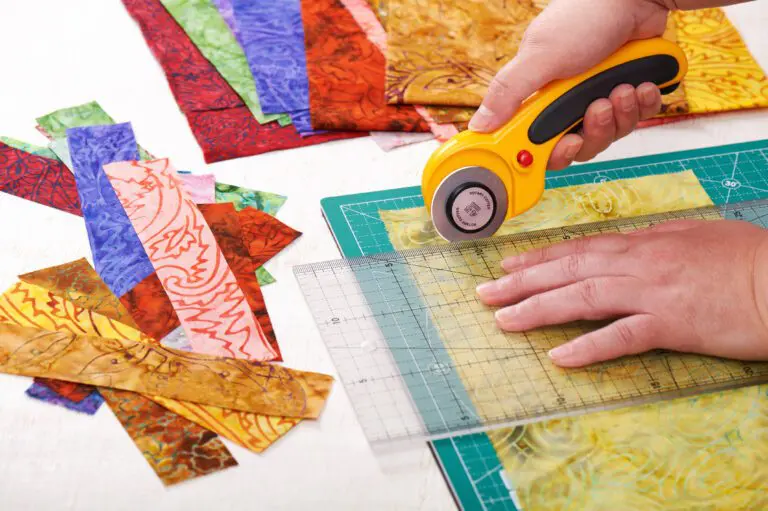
(729, 174)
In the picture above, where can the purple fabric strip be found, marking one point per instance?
(89, 405)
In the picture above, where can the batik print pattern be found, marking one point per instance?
(241, 197)
(207, 30)
(273, 40)
(194, 273)
(222, 124)
(374, 31)
(264, 235)
(118, 255)
(200, 187)
(89, 405)
(38, 179)
(29, 148)
(252, 431)
(346, 74)
(225, 225)
(157, 371)
(175, 447)
(151, 309)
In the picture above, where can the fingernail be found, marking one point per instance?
(571, 151)
(506, 314)
(481, 121)
(604, 115)
(647, 96)
(627, 101)
(487, 288)
(561, 352)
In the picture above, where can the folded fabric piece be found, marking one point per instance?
(60, 148)
(367, 21)
(176, 448)
(139, 367)
(264, 277)
(242, 197)
(194, 273)
(253, 431)
(200, 187)
(90, 404)
(28, 148)
(38, 179)
(225, 226)
(206, 28)
(272, 36)
(222, 124)
(346, 74)
(264, 235)
(118, 255)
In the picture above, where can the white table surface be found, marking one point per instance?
(59, 54)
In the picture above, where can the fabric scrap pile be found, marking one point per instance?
(253, 77)
(169, 327)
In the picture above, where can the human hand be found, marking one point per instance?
(687, 286)
(567, 38)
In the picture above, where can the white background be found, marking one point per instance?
(57, 54)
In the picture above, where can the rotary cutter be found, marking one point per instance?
(476, 181)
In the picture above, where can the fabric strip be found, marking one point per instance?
(118, 255)
(194, 273)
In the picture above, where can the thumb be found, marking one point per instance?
(519, 78)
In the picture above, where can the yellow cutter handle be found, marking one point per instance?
(518, 152)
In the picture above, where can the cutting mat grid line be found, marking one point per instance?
(470, 463)
(432, 324)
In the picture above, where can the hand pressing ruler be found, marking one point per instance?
(421, 357)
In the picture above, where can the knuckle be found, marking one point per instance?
(625, 337)
(572, 265)
(589, 293)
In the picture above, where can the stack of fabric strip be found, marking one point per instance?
(253, 77)
(169, 326)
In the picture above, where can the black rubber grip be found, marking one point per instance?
(571, 106)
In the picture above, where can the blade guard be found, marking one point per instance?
(519, 151)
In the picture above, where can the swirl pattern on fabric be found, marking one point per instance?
(194, 273)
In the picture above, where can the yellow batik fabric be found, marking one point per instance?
(570, 205)
(29, 305)
(443, 53)
(707, 452)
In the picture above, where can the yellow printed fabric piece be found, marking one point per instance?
(570, 205)
(252, 431)
(722, 74)
(672, 455)
(474, 39)
(64, 345)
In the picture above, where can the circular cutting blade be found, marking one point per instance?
(470, 203)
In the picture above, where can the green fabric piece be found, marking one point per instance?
(61, 148)
(29, 148)
(267, 202)
(56, 124)
(201, 20)
(264, 277)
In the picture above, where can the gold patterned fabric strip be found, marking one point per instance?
(25, 303)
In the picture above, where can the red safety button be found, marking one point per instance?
(524, 158)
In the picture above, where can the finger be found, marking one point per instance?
(626, 336)
(565, 151)
(599, 129)
(649, 98)
(605, 243)
(528, 72)
(626, 109)
(671, 226)
(521, 284)
(589, 299)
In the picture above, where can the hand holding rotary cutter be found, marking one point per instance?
(476, 181)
